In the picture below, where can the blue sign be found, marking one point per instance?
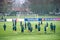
(33, 19)
(39, 19)
(49, 19)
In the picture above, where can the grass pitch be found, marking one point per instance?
(9, 34)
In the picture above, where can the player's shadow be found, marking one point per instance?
(35, 33)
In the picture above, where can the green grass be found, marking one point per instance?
(9, 34)
(30, 16)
